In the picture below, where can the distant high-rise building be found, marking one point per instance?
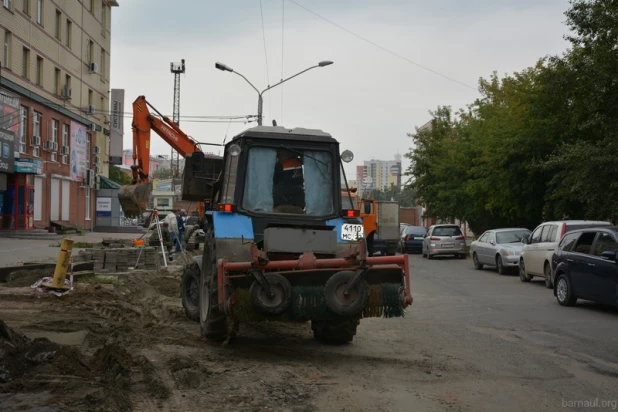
(379, 174)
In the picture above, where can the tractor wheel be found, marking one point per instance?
(335, 332)
(350, 305)
(282, 294)
(213, 321)
(190, 291)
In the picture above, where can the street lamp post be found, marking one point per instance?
(225, 68)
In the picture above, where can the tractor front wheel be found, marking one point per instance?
(335, 332)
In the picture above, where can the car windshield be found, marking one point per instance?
(512, 236)
(416, 230)
(289, 180)
(446, 231)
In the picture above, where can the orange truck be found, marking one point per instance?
(380, 222)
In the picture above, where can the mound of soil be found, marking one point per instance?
(20, 356)
(26, 277)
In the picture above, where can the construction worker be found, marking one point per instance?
(180, 222)
(172, 226)
(288, 181)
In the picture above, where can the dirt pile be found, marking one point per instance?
(61, 375)
(26, 277)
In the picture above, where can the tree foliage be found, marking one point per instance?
(536, 145)
(118, 176)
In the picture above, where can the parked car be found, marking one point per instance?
(539, 247)
(499, 247)
(585, 266)
(412, 239)
(444, 239)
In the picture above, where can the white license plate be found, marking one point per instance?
(351, 232)
(418, 238)
(448, 245)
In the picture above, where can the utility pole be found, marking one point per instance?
(177, 69)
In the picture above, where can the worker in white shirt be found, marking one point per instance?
(172, 226)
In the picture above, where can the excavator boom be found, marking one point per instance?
(134, 198)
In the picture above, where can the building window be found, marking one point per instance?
(102, 69)
(65, 143)
(6, 56)
(103, 16)
(39, 12)
(23, 115)
(26, 63)
(87, 203)
(90, 97)
(8, 4)
(58, 24)
(69, 33)
(67, 81)
(39, 70)
(103, 108)
(26, 8)
(57, 85)
(36, 134)
(90, 52)
(92, 6)
(88, 151)
(54, 141)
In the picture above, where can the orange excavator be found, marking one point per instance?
(134, 198)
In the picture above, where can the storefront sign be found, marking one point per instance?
(116, 126)
(9, 130)
(32, 166)
(7, 151)
(104, 206)
(78, 152)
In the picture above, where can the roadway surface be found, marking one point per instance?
(475, 340)
(471, 341)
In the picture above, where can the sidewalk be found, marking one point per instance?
(16, 251)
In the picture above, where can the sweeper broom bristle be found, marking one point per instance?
(308, 302)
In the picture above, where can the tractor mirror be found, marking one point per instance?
(197, 162)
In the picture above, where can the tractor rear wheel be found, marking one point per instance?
(336, 332)
(190, 291)
(213, 321)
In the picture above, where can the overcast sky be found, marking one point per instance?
(368, 99)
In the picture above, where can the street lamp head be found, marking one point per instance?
(223, 67)
(325, 63)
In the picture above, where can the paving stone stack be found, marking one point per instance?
(121, 259)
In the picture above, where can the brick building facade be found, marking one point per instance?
(55, 77)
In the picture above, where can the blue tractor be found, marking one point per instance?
(279, 243)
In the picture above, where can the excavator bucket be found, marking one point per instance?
(134, 198)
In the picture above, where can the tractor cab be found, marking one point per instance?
(276, 177)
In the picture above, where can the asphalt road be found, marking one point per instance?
(504, 344)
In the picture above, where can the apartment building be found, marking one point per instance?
(379, 174)
(54, 89)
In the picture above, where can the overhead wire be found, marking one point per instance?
(382, 47)
(266, 58)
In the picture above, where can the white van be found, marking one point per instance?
(539, 247)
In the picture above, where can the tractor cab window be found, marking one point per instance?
(288, 180)
(346, 203)
(228, 186)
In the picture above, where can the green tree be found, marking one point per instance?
(117, 175)
(162, 173)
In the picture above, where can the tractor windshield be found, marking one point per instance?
(289, 180)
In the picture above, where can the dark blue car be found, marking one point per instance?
(412, 239)
(584, 266)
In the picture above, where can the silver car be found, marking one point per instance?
(499, 247)
(444, 240)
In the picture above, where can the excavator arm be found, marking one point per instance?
(134, 197)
